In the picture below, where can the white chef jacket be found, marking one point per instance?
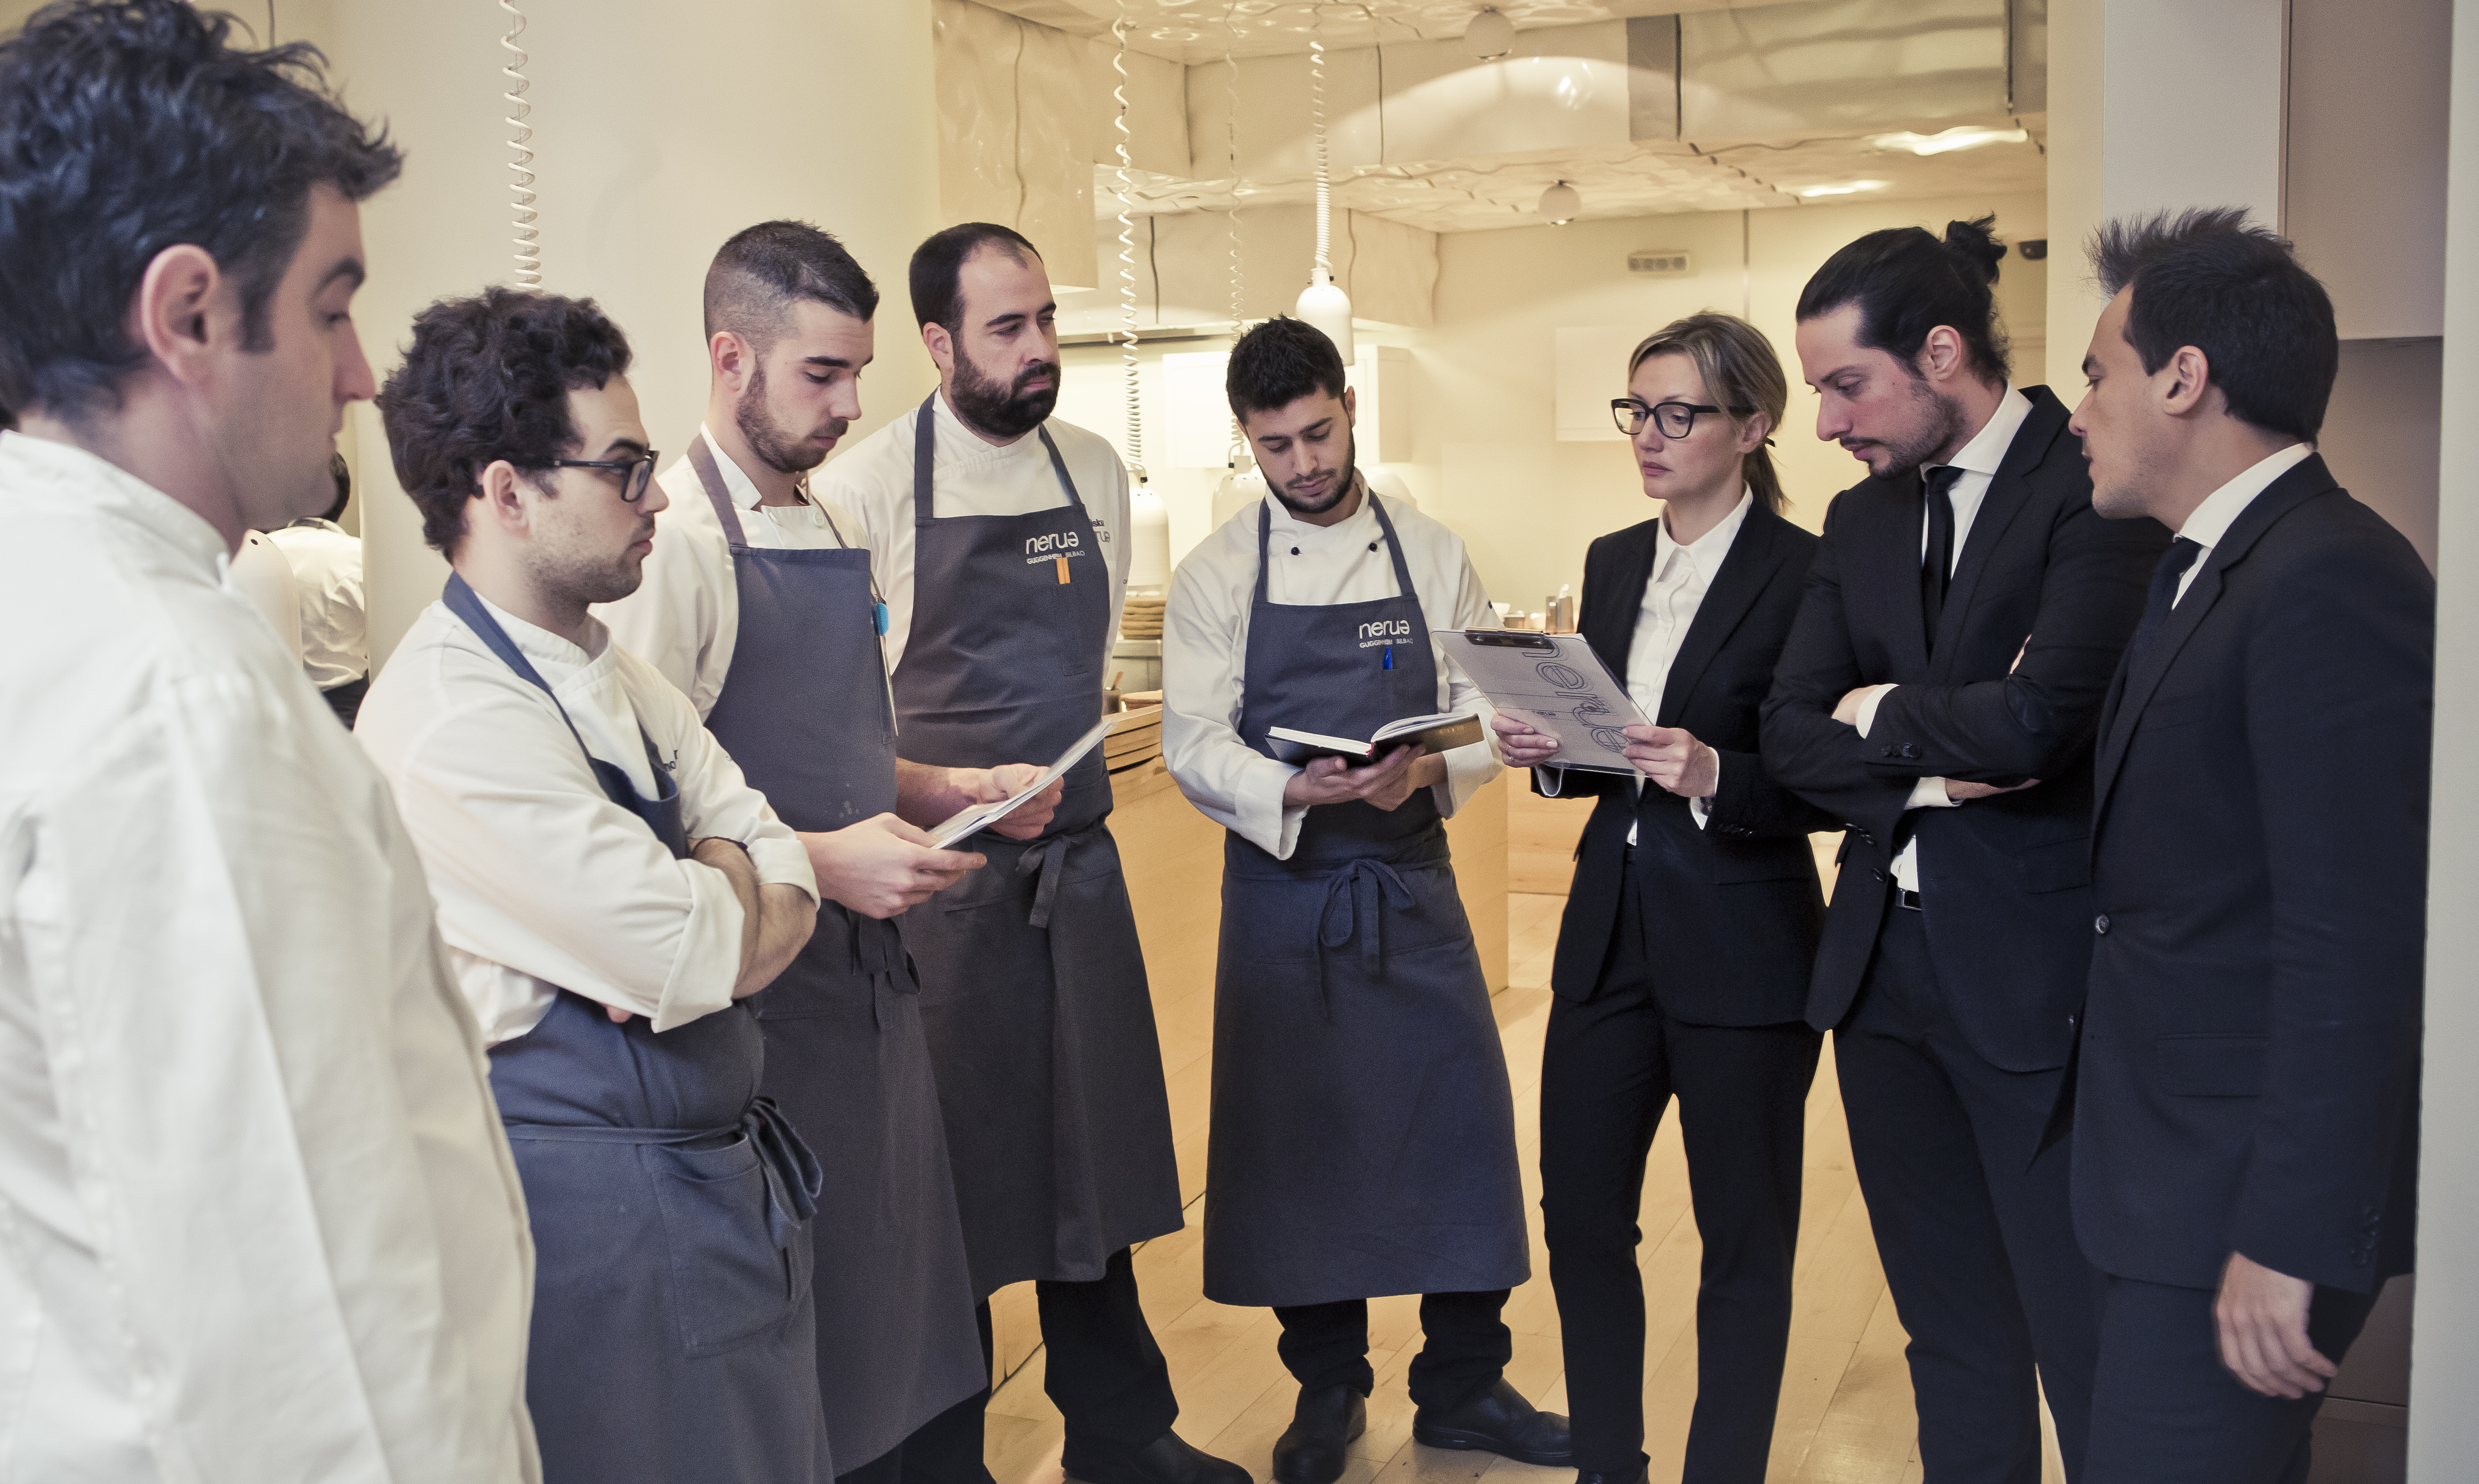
(1205, 651)
(1978, 460)
(260, 573)
(684, 618)
(874, 480)
(328, 570)
(1672, 593)
(256, 1218)
(544, 882)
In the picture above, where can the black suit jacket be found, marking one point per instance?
(2005, 881)
(2249, 1071)
(1732, 911)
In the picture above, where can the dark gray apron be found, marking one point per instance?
(1033, 982)
(804, 713)
(673, 1337)
(1364, 1133)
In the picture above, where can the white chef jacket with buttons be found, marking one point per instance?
(544, 882)
(872, 479)
(258, 1220)
(327, 570)
(1979, 460)
(684, 618)
(1205, 651)
(1672, 593)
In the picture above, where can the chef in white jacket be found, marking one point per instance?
(256, 1218)
(1364, 1131)
(614, 893)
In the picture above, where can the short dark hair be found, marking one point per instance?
(342, 473)
(760, 271)
(1278, 363)
(938, 267)
(488, 378)
(1906, 283)
(2207, 278)
(130, 126)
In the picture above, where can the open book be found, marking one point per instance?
(1429, 733)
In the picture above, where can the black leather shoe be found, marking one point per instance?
(1499, 1420)
(1166, 1460)
(1642, 1476)
(1323, 1424)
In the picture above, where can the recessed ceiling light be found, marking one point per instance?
(1965, 137)
(1847, 188)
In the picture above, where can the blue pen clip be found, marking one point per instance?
(878, 618)
(1389, 658)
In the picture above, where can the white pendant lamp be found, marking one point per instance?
(1323, 303)
(1490, 34)
(1560, 204)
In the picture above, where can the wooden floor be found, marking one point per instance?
(1845, 1403)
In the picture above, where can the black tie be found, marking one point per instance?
(2174, 563)
(1937, 567)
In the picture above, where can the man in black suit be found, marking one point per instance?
(1939, 692)
(2245, 1140)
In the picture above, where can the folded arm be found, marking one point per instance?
(1806, 751)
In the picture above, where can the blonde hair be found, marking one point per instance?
(1742, 374)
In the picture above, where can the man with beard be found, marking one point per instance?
(759, 604)
(612, 892)
(993, 530)
(1940, 691)
(1364, 1131)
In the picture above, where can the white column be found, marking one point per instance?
(661, 127)
(2444, 1350)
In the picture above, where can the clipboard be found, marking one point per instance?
(972, 821)
(1555, 685)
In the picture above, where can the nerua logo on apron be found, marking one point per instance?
(1385, 632)
(1060, 547)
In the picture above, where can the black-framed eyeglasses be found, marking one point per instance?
(1676, 420)
(634, 473)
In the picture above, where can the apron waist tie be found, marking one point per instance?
(1360, 891)
(1046, 861)
(794, 1179)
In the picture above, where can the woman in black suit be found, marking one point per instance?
(1682, 960)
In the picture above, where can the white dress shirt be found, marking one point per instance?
(260, 573)
(1681, 575)
(2208, 522)
(256, 1218)
(684, 618)
(874, 480)
(328, 570)
(544, 882)
(1205, 651)
(1979, 460)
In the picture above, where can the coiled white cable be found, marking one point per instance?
(1127, 336)
(1324, 184)
(1231, 147)
(528, 275)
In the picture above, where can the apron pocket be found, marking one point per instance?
(730, 1282)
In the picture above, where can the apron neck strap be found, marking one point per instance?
(925, 458)
(1394, 545)
(710, 475)
(467, 604)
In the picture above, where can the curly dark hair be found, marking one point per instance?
(130, 126)
(1279, 362)
(488, 378)
(1906, 283)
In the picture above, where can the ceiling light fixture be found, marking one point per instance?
(1964, 137)
(1323, 304)
(1560, 204)
(1490, 34)
(1847, 188)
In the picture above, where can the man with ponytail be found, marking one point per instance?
(1939, 694)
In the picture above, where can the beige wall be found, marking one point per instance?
(647, 156)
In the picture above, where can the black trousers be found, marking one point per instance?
(1974, 1228)
(1611, 1066)
(1104, 1372)
(1464, 1347)
(2165, 1409)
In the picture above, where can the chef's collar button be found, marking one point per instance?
(1296, 551)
